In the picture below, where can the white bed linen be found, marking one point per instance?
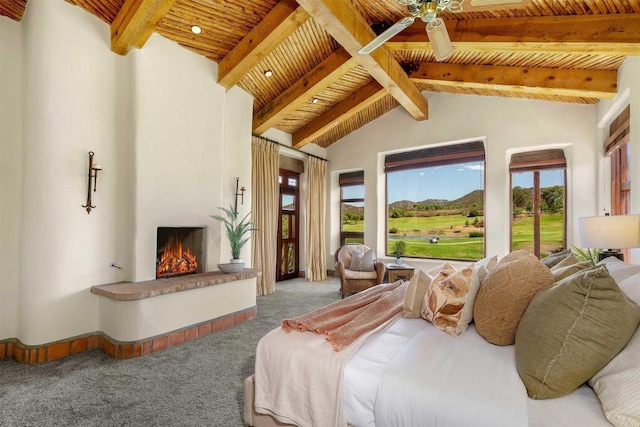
(298, 377)
(415, 375)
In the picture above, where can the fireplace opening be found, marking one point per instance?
(180, 251)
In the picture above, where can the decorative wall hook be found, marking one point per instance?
(241, 194)
(92, 176)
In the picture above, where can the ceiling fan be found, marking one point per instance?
(428, 11)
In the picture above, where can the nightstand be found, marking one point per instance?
(397, 272)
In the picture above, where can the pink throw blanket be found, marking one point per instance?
(344, 321)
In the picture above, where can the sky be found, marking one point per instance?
(453, 182)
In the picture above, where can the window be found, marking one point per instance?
(435, 201)
(618, 148)
(538, 199)
(351, 207)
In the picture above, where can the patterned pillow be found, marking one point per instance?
(571, 331)
(617, 383)
(415, 294)
(363, 261)
(446, 297)
(505, 295)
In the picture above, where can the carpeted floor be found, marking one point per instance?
(196, 384)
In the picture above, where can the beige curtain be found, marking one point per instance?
(264, 208)
(315, 209)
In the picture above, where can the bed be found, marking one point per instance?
(405, 372)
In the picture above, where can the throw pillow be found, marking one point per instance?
(619, 269)
(415, 294)
(446, 297)
(617, 385)
(571, 331)
(560, 272)
(552, 259)
(363, 261)
(569, 260)
(480, 271)
(505, 295)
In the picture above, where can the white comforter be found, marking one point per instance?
(415, 375)
(428, 378)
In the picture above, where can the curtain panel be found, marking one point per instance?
(265, 158)
(315, 209)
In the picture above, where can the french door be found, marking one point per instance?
(288, 226)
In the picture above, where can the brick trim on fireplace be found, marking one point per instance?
(21, 353)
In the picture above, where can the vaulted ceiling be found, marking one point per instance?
(321, 89)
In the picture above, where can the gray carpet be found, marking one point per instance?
(196, 384)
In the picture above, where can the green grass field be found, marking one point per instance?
(455, 242)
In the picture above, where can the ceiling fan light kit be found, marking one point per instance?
(427, 11)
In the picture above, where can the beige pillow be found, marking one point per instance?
(415, 294)
(562, 272)
(363, 261)
(505, 295)
(552, 259)
(617, 384)
(571, 331)
(446, 297)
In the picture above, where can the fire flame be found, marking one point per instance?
(174, 260)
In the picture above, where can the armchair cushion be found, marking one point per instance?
(363, 261)
(360, 275)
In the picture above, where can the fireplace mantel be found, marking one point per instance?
(130, 291)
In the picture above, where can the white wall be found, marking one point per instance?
(628, 93)
(506, 126)
(10, 172)
(164, 132)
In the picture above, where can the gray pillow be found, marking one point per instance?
(363, 261)
(571, 331)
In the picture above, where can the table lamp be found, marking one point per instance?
(610, 233)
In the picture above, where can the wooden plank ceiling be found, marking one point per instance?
(321, 90)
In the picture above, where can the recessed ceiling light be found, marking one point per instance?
(196, 30)
(268, 73)
(335, 123)
(315, 100)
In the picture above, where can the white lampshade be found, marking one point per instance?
(610, 232)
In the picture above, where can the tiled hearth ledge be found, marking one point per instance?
(130, 292)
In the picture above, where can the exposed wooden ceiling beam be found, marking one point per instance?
(583, 34)
(135, 22)
(13, 9)
(545, 81)
(285, 18)
(345, 24)
(340, 113)
(318, 79)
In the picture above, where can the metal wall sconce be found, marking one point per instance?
(241, 194)
(92, 176)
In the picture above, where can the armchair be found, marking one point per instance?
(356, 280)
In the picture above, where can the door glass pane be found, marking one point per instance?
(283, 259)
(552, 211)
(293, 182)
(293, 226)
(291, 261)
(522, 211)
(288, 202)
(285, 226)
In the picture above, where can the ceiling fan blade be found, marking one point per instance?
(486, 5)
(439, 39)
(386, 35)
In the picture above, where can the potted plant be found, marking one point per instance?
(398, 250)
(238, 235)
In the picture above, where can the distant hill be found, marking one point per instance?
(465, 202)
